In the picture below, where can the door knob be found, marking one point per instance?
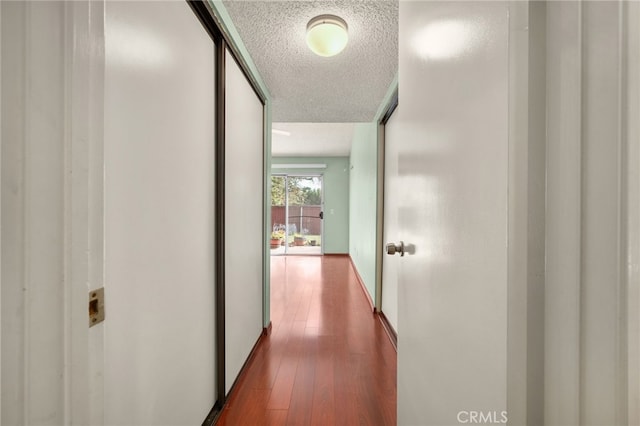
(395, 248)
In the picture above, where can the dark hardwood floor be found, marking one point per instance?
(328, 360)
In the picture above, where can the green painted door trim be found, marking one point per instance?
(390, 97)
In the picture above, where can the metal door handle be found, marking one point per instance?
(395, 248)
(321, 215)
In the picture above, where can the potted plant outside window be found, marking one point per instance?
(276, 237)
(298, 240)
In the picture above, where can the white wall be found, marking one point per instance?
(52, 152)
(33, 154)
(632, 216)
(591, 202)
(525, 333)
(0, 211)
(245, 240)
(159, 215)
(363, 195)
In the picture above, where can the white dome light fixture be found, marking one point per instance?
(327, 35)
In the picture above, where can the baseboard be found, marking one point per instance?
(266, 331)
(337, 254)
(393, 336)
(388, 328)
(218, 408)
(243, 370)
(362, 285)
(214, 415)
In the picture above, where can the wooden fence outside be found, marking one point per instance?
(302, 219)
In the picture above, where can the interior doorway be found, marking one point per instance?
(297, 214)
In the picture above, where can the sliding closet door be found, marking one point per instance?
(159, 215)
(244, 201)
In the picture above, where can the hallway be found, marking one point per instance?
(328, 359)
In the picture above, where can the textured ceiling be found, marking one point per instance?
(308, 88)
(312, 139)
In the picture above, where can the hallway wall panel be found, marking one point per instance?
(363, 195)
(159, 215)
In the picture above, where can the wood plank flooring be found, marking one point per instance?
(328, 360)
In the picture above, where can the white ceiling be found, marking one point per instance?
(308, 88)
(312, 139)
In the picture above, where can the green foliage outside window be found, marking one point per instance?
(299, 194)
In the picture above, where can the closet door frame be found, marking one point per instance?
(223, 43)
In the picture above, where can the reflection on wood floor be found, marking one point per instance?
(327, 361)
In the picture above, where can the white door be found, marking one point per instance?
(159, 215)
(243, 222)
(452, 212)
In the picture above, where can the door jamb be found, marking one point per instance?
(388, 111)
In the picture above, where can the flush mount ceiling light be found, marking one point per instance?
(327, 35)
